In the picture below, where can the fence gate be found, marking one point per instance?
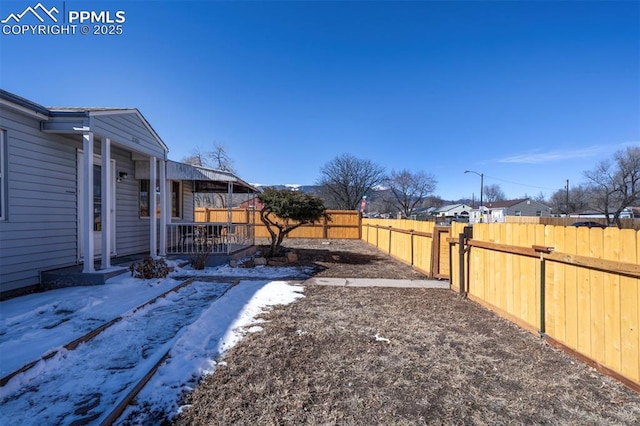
(440, 252)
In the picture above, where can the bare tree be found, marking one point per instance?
(615, 185)
(410, 189)
(221, 159)
(432, 201)
(346, 179)
(195, 158)
(217, 159)
(493, 193)
(578, 200)
(541, 198)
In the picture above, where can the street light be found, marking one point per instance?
(481, 187)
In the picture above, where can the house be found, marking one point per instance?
(630, 213)
(253, 204)
(453, 212)
(497, 211)
(75, 189)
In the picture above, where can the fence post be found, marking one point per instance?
(542, 296)
(411, 234)
(461, 255)
(325, 230)
(389, 239)
(435, 245)
(542, 250)
(450, 263)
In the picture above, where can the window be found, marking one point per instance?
(518, 213)
(176, 199)
(538, 213)
(144, 198)
(3, 175)
(97, 198)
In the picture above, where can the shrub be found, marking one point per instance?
(149, 268)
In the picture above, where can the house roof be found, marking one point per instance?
(207, 180)
(448, 207)
(55, 116)
(11, 99)
(634, 210)
(103, 111)
(504, 203)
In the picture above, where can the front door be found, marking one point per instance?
(97, 206)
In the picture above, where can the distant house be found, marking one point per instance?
(497, 211)
(80, 185)
(588, 214)
(626, 213)
(630, 213)
(253, 203)
(455, 212)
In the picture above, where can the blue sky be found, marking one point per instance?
(528, 93)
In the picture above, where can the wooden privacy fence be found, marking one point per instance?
(423, 245)
(343, 223)
(568, 221)
(577, 287)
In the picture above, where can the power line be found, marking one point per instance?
(521, 184)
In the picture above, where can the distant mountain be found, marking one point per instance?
(309, 189)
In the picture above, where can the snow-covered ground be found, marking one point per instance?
(196, 323)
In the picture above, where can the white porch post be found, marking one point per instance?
(87, 202)
(107, 187)
(153, 207)
(165, 208)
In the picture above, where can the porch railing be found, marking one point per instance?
(208, 237)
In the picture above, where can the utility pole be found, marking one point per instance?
(481, 189)
(567, 199)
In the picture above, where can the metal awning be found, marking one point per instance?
(205, 179)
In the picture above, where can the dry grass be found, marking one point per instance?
(447, 361)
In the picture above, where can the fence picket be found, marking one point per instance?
(611, 285)
(584, 295)
(629, 309)
(596, 281)
(571, 286)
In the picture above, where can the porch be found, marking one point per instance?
(197, 238)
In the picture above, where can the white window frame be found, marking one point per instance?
(158, 204)
(152, 191)
(179, 200)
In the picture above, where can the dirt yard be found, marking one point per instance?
(363, 356)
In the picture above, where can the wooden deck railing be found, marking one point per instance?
(208, 237)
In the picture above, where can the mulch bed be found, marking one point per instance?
(397, 356)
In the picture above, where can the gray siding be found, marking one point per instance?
(529, 208)
(187, 201)
(40, 230)
(123, 129)
(132, 232)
